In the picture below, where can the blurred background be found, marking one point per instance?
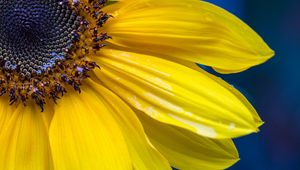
(274, 87)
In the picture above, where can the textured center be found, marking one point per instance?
(35, 34)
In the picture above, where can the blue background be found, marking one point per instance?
(274, 87)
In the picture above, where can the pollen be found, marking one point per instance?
(46, 45)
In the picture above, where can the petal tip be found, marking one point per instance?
(268, 54)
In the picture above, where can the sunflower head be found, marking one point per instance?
(45, 46)
(149, 107)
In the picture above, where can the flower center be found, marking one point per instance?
(45, 46)
(35, 34)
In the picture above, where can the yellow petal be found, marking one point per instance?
(24, 142)
(186, 150)
(191, 30)
(177, 95)
(143, 155)
(84, 135)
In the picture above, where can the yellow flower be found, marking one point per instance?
(147, 107)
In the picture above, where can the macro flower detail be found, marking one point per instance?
(96, 84)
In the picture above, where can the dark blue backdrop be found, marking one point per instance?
(274, 87)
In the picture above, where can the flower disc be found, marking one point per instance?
(44, 46)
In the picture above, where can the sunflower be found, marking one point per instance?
(91, 84)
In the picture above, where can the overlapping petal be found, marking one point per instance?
(177, 95)
(143, 155)
(191, 30)
(100, 132)
(84, 135)
(186, 150)
(24, 142)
